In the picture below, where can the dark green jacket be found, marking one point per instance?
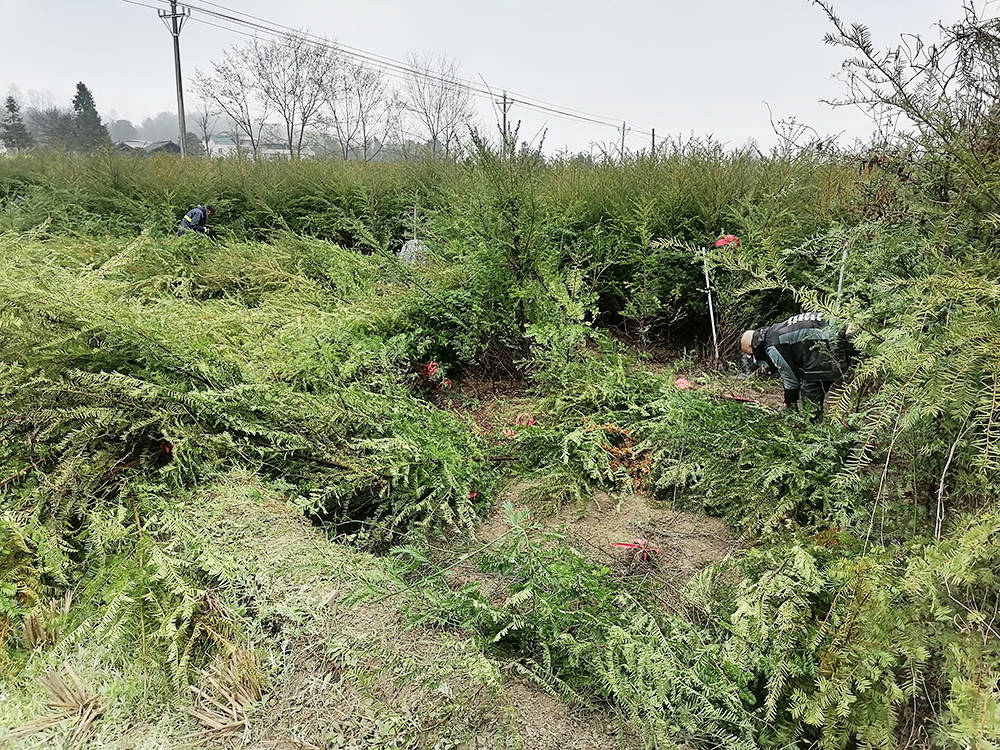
(805, 348)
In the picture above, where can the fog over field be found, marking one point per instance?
(678, 67)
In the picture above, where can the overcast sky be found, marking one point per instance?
(681, 66)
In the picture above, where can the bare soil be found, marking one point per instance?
(354, 674)
(684, 542)
(547, 723)
(764, 391)
(487, 402)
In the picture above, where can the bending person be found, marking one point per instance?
(808, 351)
(196, 220)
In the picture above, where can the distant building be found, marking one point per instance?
(275, 150)
(223, 146)
(162, 147)
(145, 148)
(226, 146)
(130, 145)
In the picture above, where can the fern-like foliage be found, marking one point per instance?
(135, 375)
(788, 645)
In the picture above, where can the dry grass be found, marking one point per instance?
(40, 627)
(230, 689)
(74, 703)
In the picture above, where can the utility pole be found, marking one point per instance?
(174, 21)
(623, 141)
(652, 151)
(508, 149)
(505, 119)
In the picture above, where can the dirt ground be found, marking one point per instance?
(684, 543)
(487, 402)
(674, 544)
(546, 723)
(763, 390)
(349, 674)
(678, 544)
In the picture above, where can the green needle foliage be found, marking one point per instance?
(779, 647)
(142, 374)
(133, 372)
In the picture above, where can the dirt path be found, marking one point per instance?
(354, 674)
(546, 723)
(685, 542)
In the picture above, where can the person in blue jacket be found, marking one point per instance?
(196, 220)
(808, 351)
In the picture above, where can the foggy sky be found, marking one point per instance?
(681, 67)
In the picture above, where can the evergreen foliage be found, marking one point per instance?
(89, 133)
(595, 226)
(146, 380)
(783, 646)
(136, 372)
(13, 132)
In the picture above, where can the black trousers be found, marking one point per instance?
(814, 391)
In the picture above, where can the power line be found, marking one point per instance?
(522, 98)
(385, 63)
(141, 5)
(389, 66)
(399, 76)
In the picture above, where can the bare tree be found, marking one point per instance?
(233, 88)
(938, 89)
(361, 110)
(51, 126)
(206, 118)
(932, 97)
(40, 99)
(292, 75)
(439, 102)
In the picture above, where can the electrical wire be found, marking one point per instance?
(415, 137)
(399, 76)
(519, 97)
(141, 5)
(388, 66)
